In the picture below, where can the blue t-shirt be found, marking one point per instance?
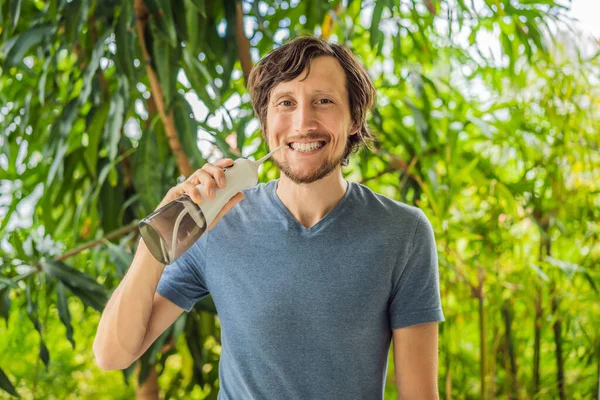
(309, 313)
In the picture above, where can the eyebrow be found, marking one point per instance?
(277, 95)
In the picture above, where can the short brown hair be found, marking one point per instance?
(288, 61)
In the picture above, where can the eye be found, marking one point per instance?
(285, 103)
(325, 100)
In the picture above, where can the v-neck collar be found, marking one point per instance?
(321, 223)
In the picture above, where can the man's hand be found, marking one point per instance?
(212, 177)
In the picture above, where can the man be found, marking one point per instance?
(311, 275)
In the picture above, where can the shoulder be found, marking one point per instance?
(389, 210)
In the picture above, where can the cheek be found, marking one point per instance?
(278, 123)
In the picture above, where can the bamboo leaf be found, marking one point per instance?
(81, 284)
(166, 62)
(116, 117)
(63, 310)
(91, 299)
(15, 11)
(120, 257)
(32, 311)
(6, 385)
(94, 132)
(92, 67)
(187, 130)
(146, 176)
(44, 353)
(5, 304)
(193, 27)
(199, 5)
(166, 17)
(124, 39)
(25, 41)
(375, 33)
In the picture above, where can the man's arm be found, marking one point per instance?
(135, 315)
(416, 361)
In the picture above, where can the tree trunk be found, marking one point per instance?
(557, 327)
(482, 335)
(537, 334)
(243, 44)
(167, 118)
(149, 390)
(598, 380)
(507, 316)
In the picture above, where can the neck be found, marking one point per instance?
(310, 202)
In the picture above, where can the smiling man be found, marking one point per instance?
(312, 275)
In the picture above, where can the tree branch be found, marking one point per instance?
(183, 162)
(243, 45)
(115, 234)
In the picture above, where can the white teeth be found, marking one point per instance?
(306, 146)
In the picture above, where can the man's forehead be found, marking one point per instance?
(326, 76)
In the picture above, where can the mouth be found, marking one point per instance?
(307, 147)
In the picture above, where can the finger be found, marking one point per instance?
(191, 190)
(207, 181)
(224, 162)
(217, 173)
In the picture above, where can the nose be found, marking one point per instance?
(305, 120)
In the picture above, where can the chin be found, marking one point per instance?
(306, 175)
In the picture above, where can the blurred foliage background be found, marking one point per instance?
(487, 119)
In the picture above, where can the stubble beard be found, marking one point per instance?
(324, 170)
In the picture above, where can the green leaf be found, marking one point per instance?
(120, 257)
(199, 78)
(539, 272)
(111, 198)
(42, 82)
(116, 117)
(63, 310)
(179, 326)
(80, 283)
(375, 33)
(166, 61)
(420, 122)
(241, 131)
(9, 213)
(74, 15)
(25, 41)
(91, 299)
(206, 304)
(166, 17)
(194, 339)
(57, 163)
(94, 132)
(44, 354)
(187, 130)
(92, 67)
(194, 28)
(128, 371)
(15, 11)
(199, 5)
(146, 174)
(6, 385)
(32, 311)
(5, 304)
(124, 39)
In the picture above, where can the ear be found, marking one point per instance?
(354, 130)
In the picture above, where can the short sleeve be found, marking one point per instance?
(415, 297)
(182, 281)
